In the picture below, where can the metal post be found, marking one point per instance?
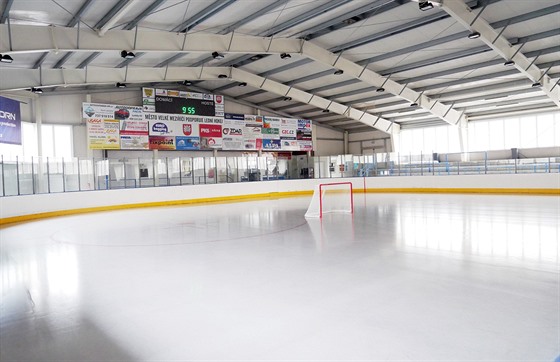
(515, 168)
(549, 168)
(17, 174)
(124, 171)
(485, 162)
(139, 174)
(95, 179)
(421, 163)
(63, 176)
(32, 176)
(3, 179)
(167, 170)
(180, 172)
(192, 170)
(215, 168)
(79, 177)
(48, 177)
(204, 169)
(433, 164)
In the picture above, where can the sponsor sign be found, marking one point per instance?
(268, 144)
(10, 121)
(107, 124)
(210, 130)
(103, 134)
(162, 143)
(134, 142)
(187, 143)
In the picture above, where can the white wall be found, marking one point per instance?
(13, 206)
(367, 143)
(327, 142)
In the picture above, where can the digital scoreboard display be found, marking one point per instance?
(187, 106)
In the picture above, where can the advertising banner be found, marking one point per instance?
(10, 121)
(187, 143)
(106, 123)
(210, 136)
(103, 134)
(162, 143)
(232, 134)
(134, 135)
(270, 144)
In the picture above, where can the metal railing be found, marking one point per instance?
(34, 175)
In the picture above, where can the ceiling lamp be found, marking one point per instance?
(120, 85)
(187, 83)
(285, 56)
(217, 55)
(326, 111)
(6, 58)
(338, 72)
(287, 99)
(222, 76)
(509, 63)
(380, 89)
(474, 35)
(536, 85)
(242, 84)
(37, 90)
(425, 5)
(127, 55)
(414, 104)
(256, 57)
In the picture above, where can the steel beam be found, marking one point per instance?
(203, 15)
(495, 40)
(93, 75)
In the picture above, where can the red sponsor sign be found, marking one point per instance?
(187, 129)
(219, 99)
(162, 143)
(210, 130)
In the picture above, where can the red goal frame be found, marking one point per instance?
(335, 184)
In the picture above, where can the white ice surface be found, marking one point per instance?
(408, 277)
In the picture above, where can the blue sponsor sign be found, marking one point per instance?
(239, 117)
(10, 121)
(271, 144)
(187, 143)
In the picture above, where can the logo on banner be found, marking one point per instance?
(187, 129)
(89, 111)
(219, 99)
(210, 130)
(160, 127)
(148, 92)
(8, 115)
(233, 131)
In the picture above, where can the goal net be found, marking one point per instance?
(331, 198)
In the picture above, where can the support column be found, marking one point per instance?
(155, 167)
(89, 151)
(37, 114)
(346, 144)
(462, 129)
(395, 139)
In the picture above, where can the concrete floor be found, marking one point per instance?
(408, 277)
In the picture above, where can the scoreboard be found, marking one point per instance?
(188, 106)
(167, 101)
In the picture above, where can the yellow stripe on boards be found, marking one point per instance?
(207, 200)
(553, 192)
(274, 195)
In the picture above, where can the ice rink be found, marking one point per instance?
(407, 277)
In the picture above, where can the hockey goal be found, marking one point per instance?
(333, 197)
